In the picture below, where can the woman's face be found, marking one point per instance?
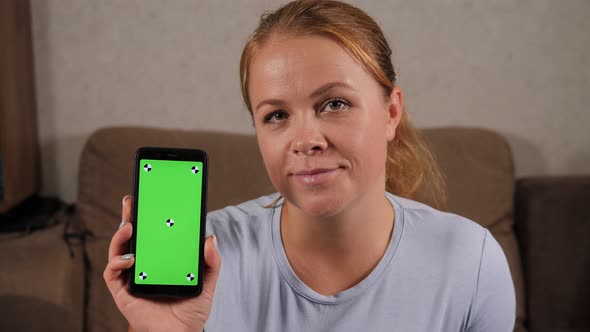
(322, 122)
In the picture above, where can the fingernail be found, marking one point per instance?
(215, 242)
(123, 222)
(127, 257)
(124, 198)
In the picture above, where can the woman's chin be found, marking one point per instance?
(318, 206)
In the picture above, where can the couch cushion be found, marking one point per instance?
(106, 167)
(32, 314)
(41, 282)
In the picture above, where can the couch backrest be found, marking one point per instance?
(236, 172)
(476, 162)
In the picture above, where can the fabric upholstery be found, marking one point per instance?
(41, 283)
(554, 228)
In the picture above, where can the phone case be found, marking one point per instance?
(169, 214)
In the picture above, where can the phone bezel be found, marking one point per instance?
(180, 154)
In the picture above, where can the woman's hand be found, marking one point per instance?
(157, 314)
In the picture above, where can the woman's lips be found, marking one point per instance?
(316, 176)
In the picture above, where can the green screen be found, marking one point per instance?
(168, 222)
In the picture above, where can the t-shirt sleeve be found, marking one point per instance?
(495, 301)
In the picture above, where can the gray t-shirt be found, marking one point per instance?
(440, 272)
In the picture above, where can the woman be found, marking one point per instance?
(337, 248)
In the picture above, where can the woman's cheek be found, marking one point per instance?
(273, 162)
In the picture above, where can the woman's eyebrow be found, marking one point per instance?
(318, 92)
(327, 87)
(272, 102)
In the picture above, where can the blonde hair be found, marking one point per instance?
(411, 169)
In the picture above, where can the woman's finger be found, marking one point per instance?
(212, 266)
(113, 271)
(119, 243)
(126, 209)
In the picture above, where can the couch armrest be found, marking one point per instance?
(553, 226)
(41, 282)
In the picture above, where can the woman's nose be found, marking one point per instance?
(308, 138)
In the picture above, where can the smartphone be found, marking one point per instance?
(169, 213)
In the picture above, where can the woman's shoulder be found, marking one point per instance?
(242, 219)
(462, 253)
(445, 230)
(420, 214)
(253, 207)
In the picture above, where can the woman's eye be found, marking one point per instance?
(335, 105)
(276, 117)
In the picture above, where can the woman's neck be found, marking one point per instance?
(335, 253)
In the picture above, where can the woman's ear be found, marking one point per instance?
(394, 112)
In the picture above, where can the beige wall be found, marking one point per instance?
(519, 67)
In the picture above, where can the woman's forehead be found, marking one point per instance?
(302, 63)
(299, 53)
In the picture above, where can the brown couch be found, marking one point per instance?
(549, 254)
